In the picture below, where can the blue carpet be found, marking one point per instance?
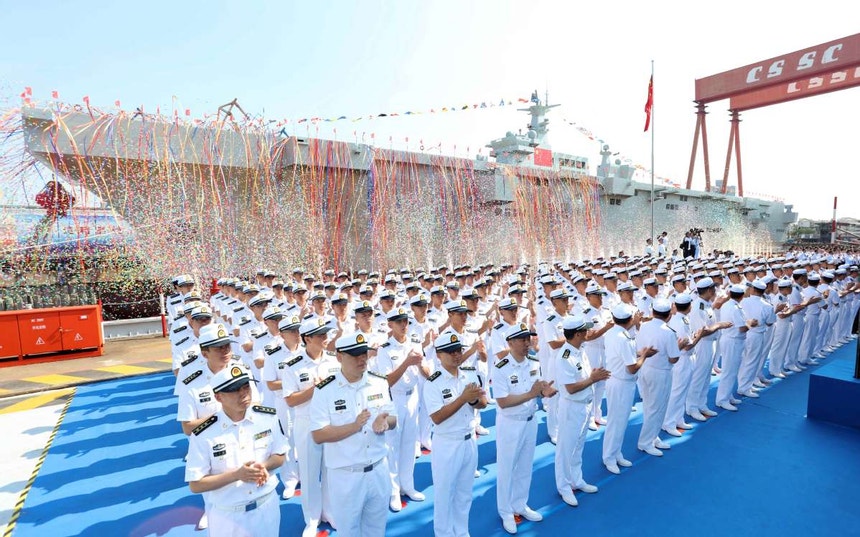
(115, 468)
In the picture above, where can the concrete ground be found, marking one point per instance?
(122, 358)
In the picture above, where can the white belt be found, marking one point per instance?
(362, 468)
(250, 506)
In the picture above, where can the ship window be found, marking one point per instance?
(614, 201)
(672, 206)
(683, 198)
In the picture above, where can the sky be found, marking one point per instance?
(291, 60)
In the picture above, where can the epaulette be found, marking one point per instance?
(180, 329)
(190, 359)
(434, 376)
(329, 353)
(532, 358)
(551, 317)
(565, 354)
(233, 301)
(263, 409)
(377, 314)
(540, 301)
(294, 361)
(192, 376)
(325, 382)
(244, 320)
(672, 329)
(466, 368)
(272, 350)
(586, 310)
(205, 425)
(173, 295)
(240, 308)
(261, 334)
(175, 302)
(386, 344)
(181, 341)
(378, 375)
(498, 326)
(308, 316)
(502, 363)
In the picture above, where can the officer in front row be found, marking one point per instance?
(349, 414)
(517, 384)
(451, 394)
(230, 457)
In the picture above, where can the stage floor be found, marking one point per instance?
(115, 468)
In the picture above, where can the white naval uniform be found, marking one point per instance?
(620, 349)
(187, 366)
(357, 475)
(798, 323)
(574, 412)
(594, 349)
(682, 373)
(550, 330)
(781, 335)
(732, 348)
(220, 445)
(810, 328)
(516, 433)
(401, 440)
(277, 356)
(455, 453)
(701, 316)
(298, 376)
(755, 307)
(655, 378)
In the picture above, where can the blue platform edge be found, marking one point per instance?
(834, 394)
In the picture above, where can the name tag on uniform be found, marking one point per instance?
(219, 450)
(205, 397)
(340, 404)
(514, 379)
(304, 377)
(446, 393)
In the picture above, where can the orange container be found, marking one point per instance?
(50, 334)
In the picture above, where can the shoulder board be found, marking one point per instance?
(192, 376)
(308, 316)
(377, 375)
(670, 328)
(205, 425)
(272, 350)
(189, 360)
(540, 301)
(181, 341)
(434, 376)
(329, 353)
(261, 334)
(173, 295)
(244, 321)
(377, 314)
(532, 358)
(502, 363)
(180, 329)
(175, 302)
(566, 354)
(232, 301)
(263, 409)
(550, 318)
(498, 326)
(294, 361)
(238, 309)
(702, 306)
(386, 344)
(325, 382)
(467, 369)
(586, 310)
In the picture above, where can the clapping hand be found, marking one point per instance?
(380, 424)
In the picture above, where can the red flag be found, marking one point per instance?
(116, 103)
(28, 90)
(55, 94)
(87, 99)
(649, 103)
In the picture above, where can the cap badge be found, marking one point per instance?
(236, 371)
(221, 331)
(454, 338)
(359, 338)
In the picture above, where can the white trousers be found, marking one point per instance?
(700, 378)
(733, 349)
(315, 498)
(682, 373)
(619, 400)
(401, 442)
(798, 322)
(264, 521)
(515, 450)
(779, 348)
(655, 386)
(753, 348)
(810, 334)
(573, 420)
(289, 471)
(452, 465)
(597, 358)
(359, 500)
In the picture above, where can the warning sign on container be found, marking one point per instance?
(40, 341)
(78, 337)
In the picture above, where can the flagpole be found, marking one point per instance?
(652, 157)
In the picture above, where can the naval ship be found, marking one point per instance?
(505, 192)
